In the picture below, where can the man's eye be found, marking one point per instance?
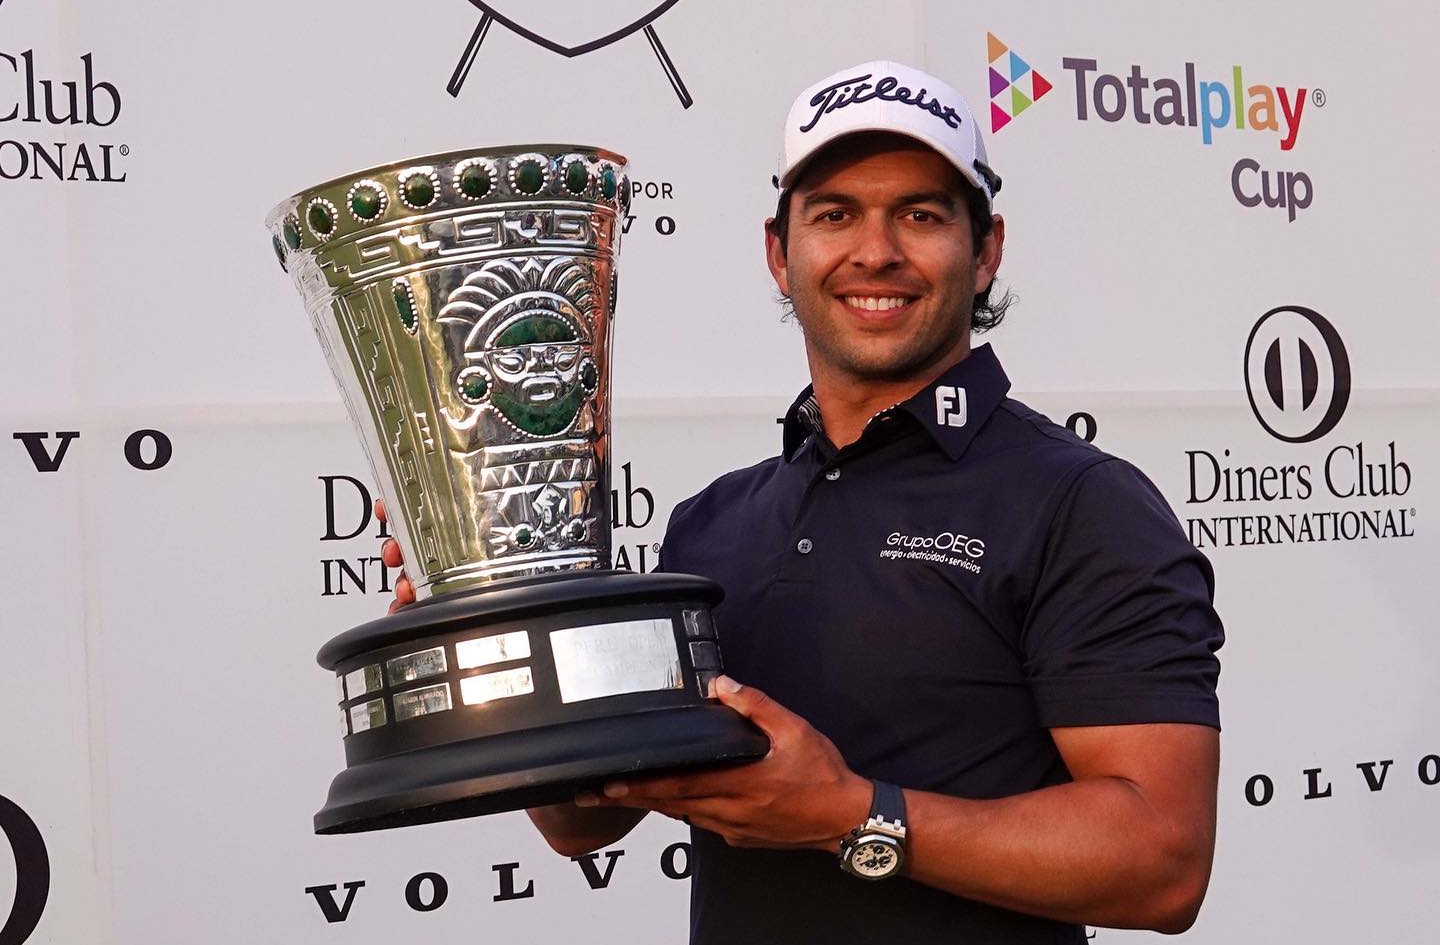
(922, 216)
(833, 216)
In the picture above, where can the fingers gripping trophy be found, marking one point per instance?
(464, 302)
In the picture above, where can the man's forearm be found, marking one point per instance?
(1091, 852)
(575, 831)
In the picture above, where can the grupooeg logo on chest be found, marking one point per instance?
(951, 548)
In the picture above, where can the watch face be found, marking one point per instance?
(874, 859)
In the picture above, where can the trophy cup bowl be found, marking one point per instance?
(464, 303)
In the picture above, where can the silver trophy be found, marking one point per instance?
(464, 302)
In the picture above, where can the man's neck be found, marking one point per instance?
(847, 403)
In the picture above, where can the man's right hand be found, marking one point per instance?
(390, 554)
(570, 830)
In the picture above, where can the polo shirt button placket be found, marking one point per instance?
(804, 546)
(832, 475)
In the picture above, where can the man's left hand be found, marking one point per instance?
(801, 795)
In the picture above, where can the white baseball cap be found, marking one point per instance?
(885, 96)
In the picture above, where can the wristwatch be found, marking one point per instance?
(876, 849)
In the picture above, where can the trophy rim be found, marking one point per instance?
(278, 212)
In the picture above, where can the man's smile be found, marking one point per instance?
(873, 306)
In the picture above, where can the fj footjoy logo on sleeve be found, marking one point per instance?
(951, 407)
(1297, 374)
(556, 28)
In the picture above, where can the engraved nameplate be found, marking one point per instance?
(611, 659)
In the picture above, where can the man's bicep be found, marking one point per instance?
(1174, 766)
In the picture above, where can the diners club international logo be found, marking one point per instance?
(564, 29)
(58, 114)
(1297, 378)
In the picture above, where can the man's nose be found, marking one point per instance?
(876, 246)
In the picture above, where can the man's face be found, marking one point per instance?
(880, 264)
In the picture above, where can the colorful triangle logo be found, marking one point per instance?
(1008, 71)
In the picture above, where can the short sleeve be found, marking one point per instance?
(1120, 627)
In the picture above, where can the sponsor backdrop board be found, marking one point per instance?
(1218, 228)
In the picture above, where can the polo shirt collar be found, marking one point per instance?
(951, 409)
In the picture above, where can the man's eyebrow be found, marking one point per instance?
(942, 197)
(827, 197)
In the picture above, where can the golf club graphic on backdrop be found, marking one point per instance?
(561, 18)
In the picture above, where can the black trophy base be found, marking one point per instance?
(524, 694)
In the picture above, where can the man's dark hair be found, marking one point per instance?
(987, 313)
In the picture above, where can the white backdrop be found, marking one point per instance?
(164, 725)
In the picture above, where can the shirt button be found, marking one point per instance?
(804, 546)
(832, 475)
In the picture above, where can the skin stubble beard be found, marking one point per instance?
(915, 358)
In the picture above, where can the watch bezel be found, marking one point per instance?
(871, 833)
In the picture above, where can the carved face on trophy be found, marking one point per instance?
(526, 349)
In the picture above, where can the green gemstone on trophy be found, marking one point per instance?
(475, 387)
(537, 330)
(419, 190)
(607, 183)
(322, 221)
(589, 376)
(529, 177)
(292, 233)
(524, 536)
(365, 201)
(475, 181)
(279, 250)
(576, 177)
(405, 306)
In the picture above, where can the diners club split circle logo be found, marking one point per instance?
(1297, 374)
(560, 28)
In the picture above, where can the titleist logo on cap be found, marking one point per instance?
(888, 89)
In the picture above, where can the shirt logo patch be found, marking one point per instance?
(951, 407)
(951, 548)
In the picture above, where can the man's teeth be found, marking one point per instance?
(874, 303)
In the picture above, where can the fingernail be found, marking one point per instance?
(726, 684)
(617, 789)
(586, 800)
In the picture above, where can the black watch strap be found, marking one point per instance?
(888, 802)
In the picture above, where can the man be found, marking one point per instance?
(983, 649)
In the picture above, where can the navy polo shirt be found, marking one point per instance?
(933, 598)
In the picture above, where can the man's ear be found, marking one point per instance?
(775, 259)
(991, 251)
